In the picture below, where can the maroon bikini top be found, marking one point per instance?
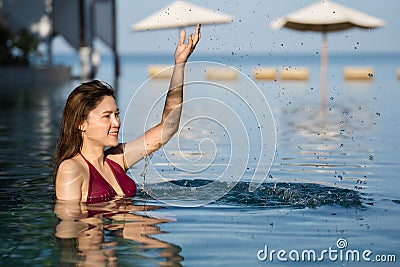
(100, 190)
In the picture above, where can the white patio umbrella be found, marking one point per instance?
(180, 14)
(326, 16)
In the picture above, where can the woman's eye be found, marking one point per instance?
(108, 116)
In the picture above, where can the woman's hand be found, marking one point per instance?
(183, 51)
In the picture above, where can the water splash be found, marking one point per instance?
(268, 195)
(295, 195)
(144, 173)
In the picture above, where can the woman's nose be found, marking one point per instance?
(116, 122)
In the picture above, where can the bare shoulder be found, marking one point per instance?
(71, 166)
(70, 179)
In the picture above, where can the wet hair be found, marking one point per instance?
(81, 101)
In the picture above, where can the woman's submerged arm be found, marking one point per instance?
(161, 133)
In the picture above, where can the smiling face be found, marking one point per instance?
(102, 125)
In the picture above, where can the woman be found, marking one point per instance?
(87, 171)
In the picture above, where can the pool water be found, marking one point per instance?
(333, 184)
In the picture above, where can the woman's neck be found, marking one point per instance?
(94, 154)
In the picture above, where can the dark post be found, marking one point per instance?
(115, 49)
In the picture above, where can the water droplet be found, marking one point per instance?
(331, 98)
(371, 157)
(143, 174)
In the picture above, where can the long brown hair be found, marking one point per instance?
(80, 102)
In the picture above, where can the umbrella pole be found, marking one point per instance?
(323, 80)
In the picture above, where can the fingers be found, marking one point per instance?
(193, 39)
(190, 47)
(190, 41)
(196, 37)
(182, 36)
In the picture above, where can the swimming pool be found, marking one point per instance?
(331, 195)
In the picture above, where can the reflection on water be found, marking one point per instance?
(29, 119)
(88, 234)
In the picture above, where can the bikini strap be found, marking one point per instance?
(87, 161)
(83, 157)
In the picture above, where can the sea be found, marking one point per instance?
(260, 173)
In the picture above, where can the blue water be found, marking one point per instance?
(334, 175)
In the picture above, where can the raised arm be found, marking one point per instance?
(161, 133)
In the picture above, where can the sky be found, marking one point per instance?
(250, 31)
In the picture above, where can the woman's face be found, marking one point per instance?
(102, 125)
